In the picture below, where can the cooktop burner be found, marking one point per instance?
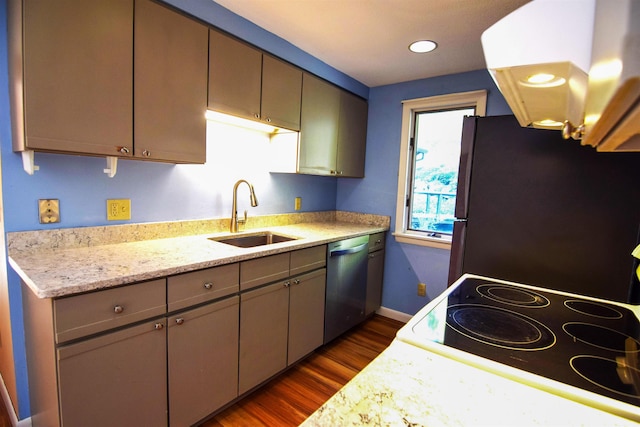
(589, 344)
(499, 327)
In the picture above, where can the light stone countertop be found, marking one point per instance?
(408, 386)
(52, 269)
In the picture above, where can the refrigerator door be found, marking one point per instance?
(550, 212)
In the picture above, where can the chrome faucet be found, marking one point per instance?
(234, 207)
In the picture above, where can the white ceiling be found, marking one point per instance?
(368, 39)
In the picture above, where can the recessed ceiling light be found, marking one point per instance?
(422, 46)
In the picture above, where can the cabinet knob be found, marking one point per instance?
(123, 150)
(378, 241)
(287, 284)
(296, 281)
(268, 119)
(118, 309)
(180, 320)
(256, 115)
(146, 153)
(158, 326)
(208, 285)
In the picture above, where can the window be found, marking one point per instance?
(429, 159)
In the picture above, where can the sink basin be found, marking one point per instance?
(253, 240)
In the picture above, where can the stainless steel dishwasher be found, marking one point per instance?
(346, 285)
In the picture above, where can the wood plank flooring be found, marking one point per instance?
(290, 398)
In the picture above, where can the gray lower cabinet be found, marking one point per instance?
(116, 379)
(263, 334)
(375, 273)
(306, 314)
(202, 360)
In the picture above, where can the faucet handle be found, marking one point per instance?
(244, 220)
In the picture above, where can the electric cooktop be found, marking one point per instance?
(588, 348)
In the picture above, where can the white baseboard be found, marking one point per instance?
(393, 314)
(7, 404)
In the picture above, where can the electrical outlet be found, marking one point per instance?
(118, 209)
(298, 203)
(49, 211)
(422, 290)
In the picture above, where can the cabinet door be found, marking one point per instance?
(117, 379)
(203, 360)
(318, 126)
(263, 334)
(281, 92)
(170, 85)
(78, 65)
(306, 314)
(235, 75)
(352, 136)
(375, 274)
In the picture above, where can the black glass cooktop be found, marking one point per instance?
(591, 345)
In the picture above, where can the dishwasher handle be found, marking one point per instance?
(347, 251)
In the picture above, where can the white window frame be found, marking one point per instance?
(474, 99)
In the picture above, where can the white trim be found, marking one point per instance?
(477, 99)
(393, 314)
(6, 399)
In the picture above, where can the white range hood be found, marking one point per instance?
(572, 65)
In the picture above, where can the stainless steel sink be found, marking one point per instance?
(254, 239)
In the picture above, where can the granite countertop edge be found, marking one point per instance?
(51, 270)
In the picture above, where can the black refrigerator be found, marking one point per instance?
(534, 208)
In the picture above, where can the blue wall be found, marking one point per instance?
(405, 265)
(162, 192)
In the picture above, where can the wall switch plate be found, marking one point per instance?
(422, 290)
(298, 203)
(118, 209)
(49, 211)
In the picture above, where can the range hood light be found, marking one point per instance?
(548, 124)
(544, 80)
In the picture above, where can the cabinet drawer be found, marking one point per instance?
(376, 241)
(259, 271)
(86, 314)
(187, 289)
(308, 259)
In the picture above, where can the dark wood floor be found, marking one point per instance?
(291, 397)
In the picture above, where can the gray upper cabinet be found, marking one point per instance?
(235, 76)
(246, 83)
(352, 135)
(333, 130)
(71, 65)
(319, 126)
(281, 92)
(170, 85)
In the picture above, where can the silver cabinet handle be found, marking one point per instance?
(123, 150)
(118, 309)
(287, 284)
(180, 320)
(146, 153)
(296, 281)
(268, 119)
(158, 326)
(208, 285)
(256, 115)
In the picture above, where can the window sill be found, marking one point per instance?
(443, 242)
